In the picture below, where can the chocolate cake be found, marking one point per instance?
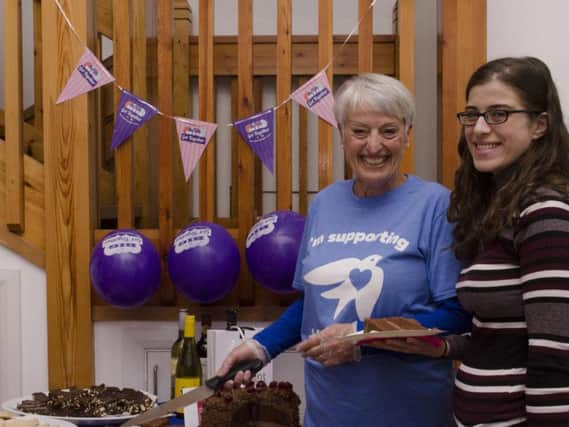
(391, 324)
(256, 405)
(95, 401)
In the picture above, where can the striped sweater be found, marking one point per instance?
(515, 363)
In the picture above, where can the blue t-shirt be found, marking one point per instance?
(381, 256)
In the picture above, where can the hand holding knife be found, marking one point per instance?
(210, 387)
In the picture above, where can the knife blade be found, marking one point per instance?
(211, 386)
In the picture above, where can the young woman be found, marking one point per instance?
(511, 209)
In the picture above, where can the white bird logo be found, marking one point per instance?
(359, 279)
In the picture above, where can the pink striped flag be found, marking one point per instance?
(316, 96)
(89, 74)
(193, 136)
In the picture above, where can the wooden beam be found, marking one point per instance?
(283, 168)
(38, 65)
(182, 106)
(304, 55)
(246, 159)
(15, 219)
(258, 186)
(406, 64)
(105, 18)
(206, 95)
(325, 52)
(142, 149)
(32, 138)
(31, 244)
(165, 138)
(235, 141)
(302, 155)
(22, 247)
(68, 138)
(365, 37)
(33, 170)
(463, 49)
(122, 71)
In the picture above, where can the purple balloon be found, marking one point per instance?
(272, 248)
(204, 262)
(125, 268)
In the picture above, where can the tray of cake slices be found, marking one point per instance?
(98, 405)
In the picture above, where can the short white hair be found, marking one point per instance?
(374, 92)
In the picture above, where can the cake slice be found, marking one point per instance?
(391, 324)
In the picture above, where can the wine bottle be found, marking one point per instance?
(202, 343)
(175, 350)
(188, 368)
(231, 319)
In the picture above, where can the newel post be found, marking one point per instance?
(69, 159)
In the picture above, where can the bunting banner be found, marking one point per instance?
(316, 96)
(132, 113)
(193, 137)
(257, 132)
(89, 74)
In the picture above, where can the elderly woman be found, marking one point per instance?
(376, 245)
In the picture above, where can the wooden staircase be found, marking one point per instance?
(55, 179)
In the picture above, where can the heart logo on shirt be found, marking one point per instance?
(360, 278)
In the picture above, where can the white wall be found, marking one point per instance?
(23, 294)
(534, 28)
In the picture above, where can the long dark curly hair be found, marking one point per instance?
(482, 204)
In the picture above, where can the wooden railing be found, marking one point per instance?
(64, 189)
(244, 61)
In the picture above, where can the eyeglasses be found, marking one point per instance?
(492, 117)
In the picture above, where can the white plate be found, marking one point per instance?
(47, 420)
(402, 333)
(12, 406)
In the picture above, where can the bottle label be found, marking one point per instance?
(186, 383)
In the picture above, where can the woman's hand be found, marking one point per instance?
(328, 348)
(248, 350)
(433, 347)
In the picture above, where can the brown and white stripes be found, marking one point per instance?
(515, 362)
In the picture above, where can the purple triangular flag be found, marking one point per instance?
(193, 136)
(257, 131)
(131, 114)
(89, 74)
(316, 96)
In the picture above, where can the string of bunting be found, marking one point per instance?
(194, 135)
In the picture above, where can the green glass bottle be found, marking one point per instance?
(175, 350)
(202, 343)
(188, 368)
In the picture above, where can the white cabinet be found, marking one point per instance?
(133, 354)
(157, 378)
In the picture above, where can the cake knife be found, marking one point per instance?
(211, 386)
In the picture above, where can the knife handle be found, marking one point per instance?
(254, 366)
